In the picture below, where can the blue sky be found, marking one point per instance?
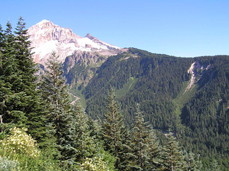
(174, 27)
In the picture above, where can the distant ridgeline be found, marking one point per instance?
(188, 96)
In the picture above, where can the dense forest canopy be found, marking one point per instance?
(196, 112)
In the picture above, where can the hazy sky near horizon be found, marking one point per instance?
(174, 27)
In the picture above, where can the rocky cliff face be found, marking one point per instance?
(80, 67)
(46, 37)
(196, 70)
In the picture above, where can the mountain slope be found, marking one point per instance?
(155, 78)
(189, 96)
(81, 56)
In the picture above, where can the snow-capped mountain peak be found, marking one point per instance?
(45, 22)
(46, 37)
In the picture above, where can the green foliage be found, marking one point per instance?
(126, 87)
(8, 165)
(193, 162)
(84, 142)
(20, 101)
(60, 118)
(144, 145)
(172, 155)
(94, 164)
(114, 132)
(18, 151)
(23, 162)
(20, 142)
(151, 80)
(102, 160)
(197, 116)
(174, 158)
(112, 127)
(205, 115)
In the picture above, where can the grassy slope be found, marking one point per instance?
(126, 88)
(75, 92)
(183, 97)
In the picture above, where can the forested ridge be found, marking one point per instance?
(159, 83)
(40, 129)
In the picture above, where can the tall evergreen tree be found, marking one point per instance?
(23, 53)
(193, 162)
(9, 75)
(214, 165)
(21, 102)
(60, 117)
(145, 147)
(173, 158)
(26, 86)
(114, 133)
(84, 143)
(1, 38)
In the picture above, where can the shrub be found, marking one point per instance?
(94, 164)
(8, 165)
(102, 161)
(19, 142)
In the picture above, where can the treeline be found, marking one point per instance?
(41, 130)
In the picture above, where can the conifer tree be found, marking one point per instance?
(85, 144)
(2, 85)
(114, 133)
(19, 98)
(112, 125)
(145, 148)
(26, 86)
(21, 102)
(192, 162)
(214, 165)
(1, 38)
(9, 77)
(173, 158)
(60, 117)
(23, 53)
